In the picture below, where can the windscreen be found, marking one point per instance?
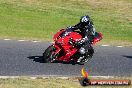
(65, 33)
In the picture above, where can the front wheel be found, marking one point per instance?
(49, 54)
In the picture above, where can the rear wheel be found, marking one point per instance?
(49, 54)
(89, 54)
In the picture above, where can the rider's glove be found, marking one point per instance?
(71, 41)
(79, 43)
(76, 44)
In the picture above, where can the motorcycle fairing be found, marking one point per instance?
(62, 38)
(63, 41)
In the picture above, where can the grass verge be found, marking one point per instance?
(25, 82)
(41, 19)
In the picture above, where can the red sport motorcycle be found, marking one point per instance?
(63, 50)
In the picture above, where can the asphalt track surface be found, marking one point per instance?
(25, 58)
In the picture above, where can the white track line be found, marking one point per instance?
(105, 45)
(6, 77)
(51, 76)
(107, 77)
(35, 41)
(33, 77)
(119, 46)
(7, 39)
(21, 40)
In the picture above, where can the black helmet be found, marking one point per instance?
(85, 20)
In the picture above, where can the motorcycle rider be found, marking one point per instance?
(87, 30)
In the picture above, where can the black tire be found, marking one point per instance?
(88, 55)
(48, 55)
(91, 52)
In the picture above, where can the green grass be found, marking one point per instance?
(49, 83)
(40, 19)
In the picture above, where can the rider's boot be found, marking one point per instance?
(80, 59)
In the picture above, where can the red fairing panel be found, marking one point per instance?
(62, 44)
(97, 38)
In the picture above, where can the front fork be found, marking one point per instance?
(57, 49)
